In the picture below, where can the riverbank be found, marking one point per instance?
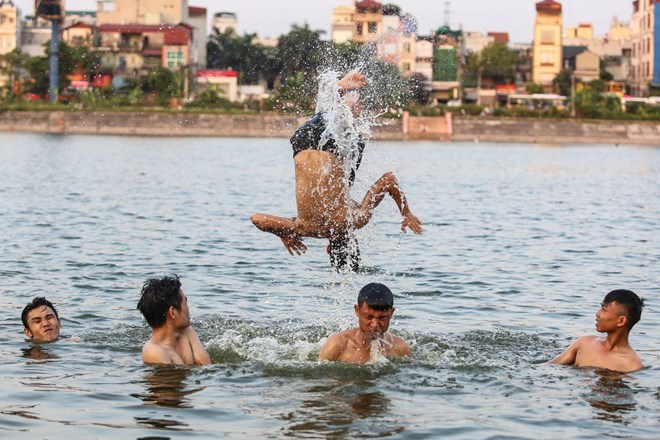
(476, 129)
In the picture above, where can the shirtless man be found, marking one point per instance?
(368, 341)
(40, 321)
(173, 340)
(325, 208)
(619, 312)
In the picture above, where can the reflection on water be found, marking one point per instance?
(611, 396)
(166, 386)
(38, 353)
(340, 408)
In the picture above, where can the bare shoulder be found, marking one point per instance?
(399, 346)
(153, 353)
(334, 346)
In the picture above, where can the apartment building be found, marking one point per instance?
(547, 46)
(645, 56)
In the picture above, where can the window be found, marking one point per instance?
(547, 37)
(547, 58)
(359, 28)
(373, 27)
(174, 59)
(406, 47)
(406, 67)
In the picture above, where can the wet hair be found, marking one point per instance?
(157, 296)
(629, 301)
(377, 296)
(345, 253)
(39, 301)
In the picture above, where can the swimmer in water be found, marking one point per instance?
(40, 321)
(173, 340)
(325, 208)
(374, 309)
(619, 312)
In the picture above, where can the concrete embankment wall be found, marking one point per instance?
(460, 129)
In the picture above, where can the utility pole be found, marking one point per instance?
(573, 95)
(52, 10)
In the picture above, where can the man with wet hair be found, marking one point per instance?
(620, 310)
(173, 340)
(323, 182)
(370, 340)
(41, 322)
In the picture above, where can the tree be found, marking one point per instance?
(229, 51)
(300, 51)
(162, 82)
(419, 88)
(391, 9)
(562, 82)
(12, 65)
(495, 61)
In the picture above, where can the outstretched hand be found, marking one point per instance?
(411, 222)
(294, 243)
(353, 80)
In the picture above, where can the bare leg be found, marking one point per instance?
(387, 184)
(282, 227)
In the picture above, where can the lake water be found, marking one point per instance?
(521, 244)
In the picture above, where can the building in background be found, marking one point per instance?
(35, 33)
(150, 12)
(222, 21)
(424, 57)
(474, 42)
(547, 54)
(368, 21)
(10, 26)
(398, 41)
(197, 19)
(645, 56)
(343, 24)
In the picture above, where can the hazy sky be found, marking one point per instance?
(275, 17)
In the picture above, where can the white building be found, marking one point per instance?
(225, 20)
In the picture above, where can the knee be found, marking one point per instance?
(256, 219)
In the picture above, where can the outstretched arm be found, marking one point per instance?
(282, 227)
(387, 184)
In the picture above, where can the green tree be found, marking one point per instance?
(12, 65)
(420, 88)
(534, 88)
(163, 82)
(230, 51)
(391, 9)
(562, 82)
(300, 51)
(495, 61)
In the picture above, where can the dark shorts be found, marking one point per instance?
(308, 137)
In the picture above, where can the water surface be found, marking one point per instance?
(521, 244)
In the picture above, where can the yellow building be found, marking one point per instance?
(368, 21)
(343, 26)
(141, 12)
(9, 26)
(547, 49)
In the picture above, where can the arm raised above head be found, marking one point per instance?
(352, 80)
